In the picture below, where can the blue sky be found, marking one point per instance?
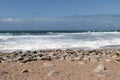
(59, 14)
(38, 8)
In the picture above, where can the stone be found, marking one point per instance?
(27, 59)
(117, 59)
(108, 60)
(100, 68)
(9, 60)
(53, 72)
(86, 58)
(46, 58)
(104, 54)
(18, 58)
(34, 52)
(25, 71)
(69, 58)
(114, 56)
(62, 58)
(3, 72)
(81, 62)
(48, 64)
(94, 59)
(77, 58)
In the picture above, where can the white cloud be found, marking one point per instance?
(7, 19)
(18, 20)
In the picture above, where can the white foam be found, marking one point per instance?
(91, 40)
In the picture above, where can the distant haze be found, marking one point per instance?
(92, 22)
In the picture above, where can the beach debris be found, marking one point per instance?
(53, 72)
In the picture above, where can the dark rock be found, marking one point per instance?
(34, 52)
(25, 71)
(27, 59)
(3, 72)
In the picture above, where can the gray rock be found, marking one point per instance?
(48, 64)
(18, 58)
(86, 58)
(3, 72)
(27, 59)
(62, 58)
(53, 72)
(9, 60)
(44, 58)
(104, 54)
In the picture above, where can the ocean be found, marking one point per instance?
(39, 40)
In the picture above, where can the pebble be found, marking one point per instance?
(108, 60)
(77, 58)
(25, 71)
(70, 55)
(48, 64)
(53, 72)
(94, 60)
(81, 62)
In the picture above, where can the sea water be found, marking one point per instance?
(38, 40)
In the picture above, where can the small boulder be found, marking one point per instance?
(100, 68)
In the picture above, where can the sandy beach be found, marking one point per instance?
(93, 65)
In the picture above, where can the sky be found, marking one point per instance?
(18, 13)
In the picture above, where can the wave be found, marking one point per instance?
(57, 40)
